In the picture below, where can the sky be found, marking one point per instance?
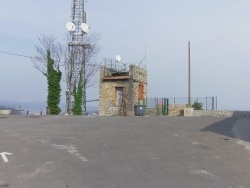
(219, 33)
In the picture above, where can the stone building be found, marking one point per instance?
(121, 88)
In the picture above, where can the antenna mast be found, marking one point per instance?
(189, 77)
(76, 67)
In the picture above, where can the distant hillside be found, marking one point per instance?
(13, 110)
(36, 107)
(5, 108)
(24, 105)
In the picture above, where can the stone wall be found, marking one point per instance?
(137, 75)
(107, 97)
(178, 110)
(5, 112)
(222, 113)
(206, 113)
(245, 114)
(173, 110)
(151, 112)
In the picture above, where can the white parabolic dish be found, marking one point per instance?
(118, 58)
(85, 27)
(70, 26)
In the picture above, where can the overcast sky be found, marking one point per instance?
(219, 32)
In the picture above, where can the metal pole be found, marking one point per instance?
(212, 103)
(162, 107)
(157, 106)
(167, 106)
(189, 77)
(145, 55)
(206, 103)
(216, 103)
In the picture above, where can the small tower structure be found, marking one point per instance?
(122, 87)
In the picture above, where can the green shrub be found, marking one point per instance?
(197, 105)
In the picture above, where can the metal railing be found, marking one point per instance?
(115, 66)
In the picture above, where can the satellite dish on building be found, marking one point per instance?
(70, 26)
(118, 58)
(85, 27)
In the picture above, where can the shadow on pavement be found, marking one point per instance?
(224, 127)
(231, 127)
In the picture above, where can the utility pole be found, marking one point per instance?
(189, 76)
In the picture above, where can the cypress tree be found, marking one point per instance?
(54, 87)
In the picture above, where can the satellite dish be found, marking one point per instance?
(84, 27)
(70, 26)
(118, 58)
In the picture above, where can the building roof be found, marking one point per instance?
(116, 78)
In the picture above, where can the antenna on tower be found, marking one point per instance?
(70, 26)
(84, 27)
(145, 57)
(118, 58)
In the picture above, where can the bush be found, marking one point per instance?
(197, 105)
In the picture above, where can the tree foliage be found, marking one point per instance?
(54, 87)
(78, 75)
(81, 67)
(197, 105)
(78, 98)
(47, 61)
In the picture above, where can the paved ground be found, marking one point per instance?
(124, 152)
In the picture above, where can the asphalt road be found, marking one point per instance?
(124, 152)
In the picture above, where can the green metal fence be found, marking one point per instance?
(160, 104)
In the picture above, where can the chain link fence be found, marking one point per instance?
(208, 103)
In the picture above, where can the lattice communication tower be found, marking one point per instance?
(77, 28)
